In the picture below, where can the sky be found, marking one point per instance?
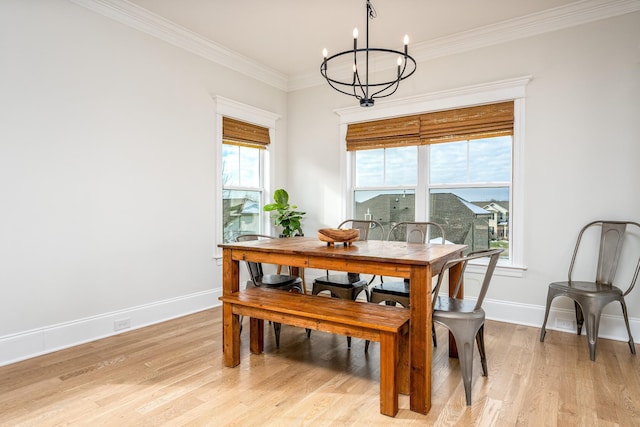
(486, 161)
(483, 161)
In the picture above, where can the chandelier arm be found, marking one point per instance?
(376, 94)
(342, 91)
(356, 76)
(395, 82)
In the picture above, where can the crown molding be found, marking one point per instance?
(573, 14)
(143, 20)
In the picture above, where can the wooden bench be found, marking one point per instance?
(385, 324)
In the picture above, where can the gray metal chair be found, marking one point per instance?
(398, 291)
(590, 297)
(463, 317)
(273, 281)
(348, 285)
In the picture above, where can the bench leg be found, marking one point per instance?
(256, 335)
(404, 362)
(230, 336)
(388, 364)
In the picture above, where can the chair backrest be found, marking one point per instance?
(492, 254)
(255, 268)
(416, 232)
(364, 226)
(611, 239)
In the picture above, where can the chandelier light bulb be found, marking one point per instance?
(399, 61)
(406, 39)
(324, 53)
(355, 33)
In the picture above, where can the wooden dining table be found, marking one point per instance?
(414, 261)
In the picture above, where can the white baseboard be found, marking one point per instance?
(560, 319)
(36, 342)
(25, 345)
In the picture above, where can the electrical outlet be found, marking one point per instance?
(567, 324)
(121, 324)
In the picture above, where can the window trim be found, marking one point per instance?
(491, 92)
(224, 107)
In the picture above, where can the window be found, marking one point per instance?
(242, 190)
(469, 181)
(451, 167)
(244, 140)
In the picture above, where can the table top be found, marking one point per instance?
(368, 250)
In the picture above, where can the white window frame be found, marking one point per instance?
(224, 107)
(492, 92)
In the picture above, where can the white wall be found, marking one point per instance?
(581, 155)
(107, 165)
(107, 175)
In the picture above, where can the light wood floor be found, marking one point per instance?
(172, 374)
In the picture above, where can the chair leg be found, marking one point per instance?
(579, 317)
(433, 334)
(465, 356)
(276, 329)
(543, 331)
(593, 324)
(483, 354)
(626, 321)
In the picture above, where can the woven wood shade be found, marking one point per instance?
(396, 132)
(236, 132)
(482, 121)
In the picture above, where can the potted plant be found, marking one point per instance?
(285, 214)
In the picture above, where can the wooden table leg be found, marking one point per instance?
(230, 284)
(230, 273)
(231, 336)
(404, 363)
(420, 339)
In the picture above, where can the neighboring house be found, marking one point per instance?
(463, 221)
(240, 216)
(499, 222)
(388, 209)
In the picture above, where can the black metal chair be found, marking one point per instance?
(348, 285)
(590, 297)
(273, 281)
(411, 232)
(463, 317)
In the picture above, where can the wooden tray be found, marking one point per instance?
(337, 235)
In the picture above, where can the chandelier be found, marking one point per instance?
(359, 85)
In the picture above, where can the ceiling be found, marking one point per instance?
(289, 35)
(286, 37)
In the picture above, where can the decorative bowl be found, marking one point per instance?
(338, 235)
